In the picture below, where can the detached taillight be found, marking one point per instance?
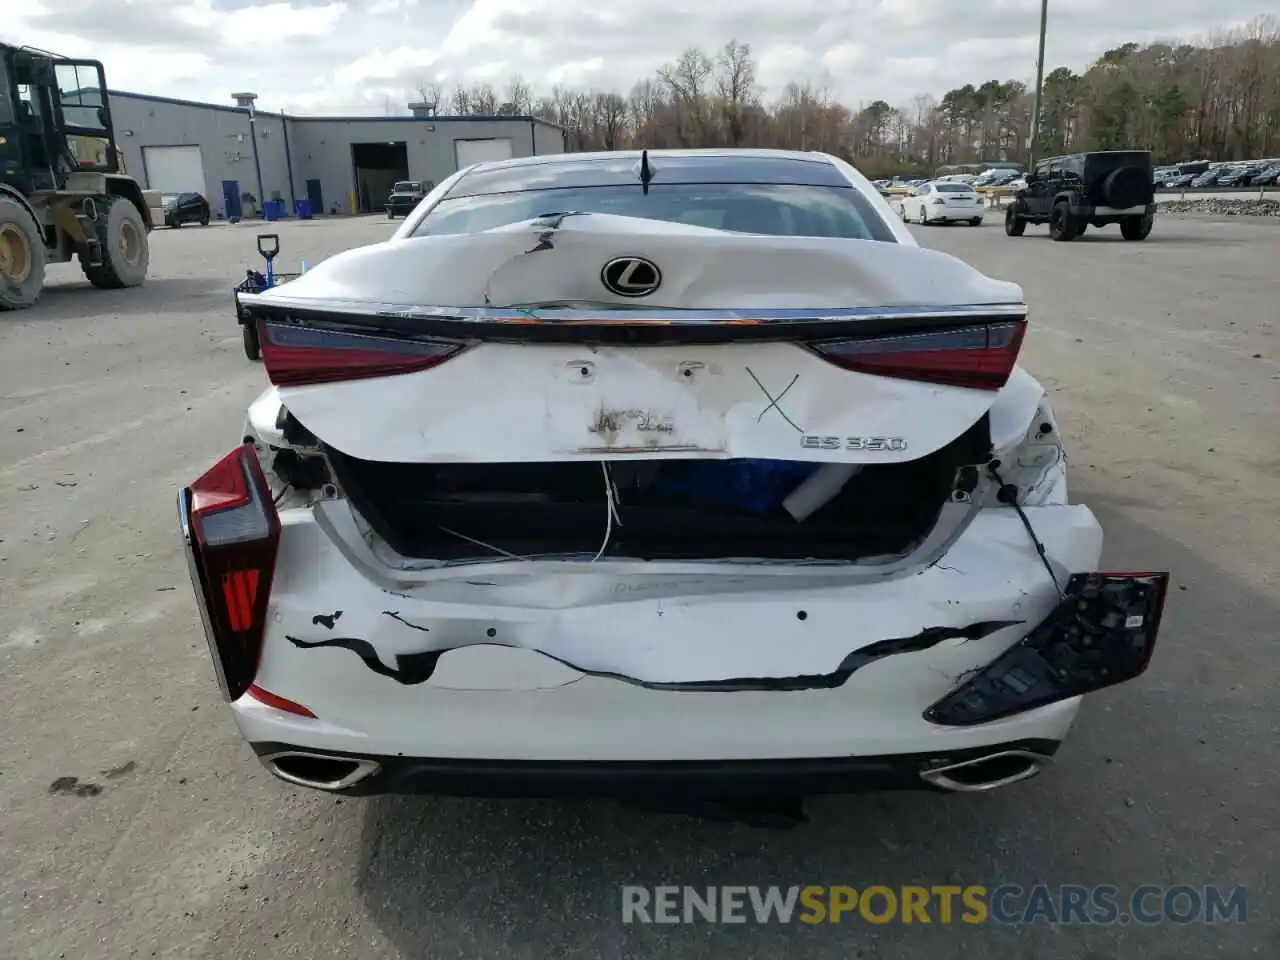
(296, 355)
(980, 357)
(232, 532)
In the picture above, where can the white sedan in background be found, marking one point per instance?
(943, 202)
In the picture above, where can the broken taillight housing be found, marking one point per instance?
(1103, 632)
(296, 355)
(232, 533)
(980, 357)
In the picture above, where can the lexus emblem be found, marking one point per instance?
(631, 276)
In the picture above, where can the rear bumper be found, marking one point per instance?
(1089, 211)
(523, 703)
(1102, 632)
(662, 781)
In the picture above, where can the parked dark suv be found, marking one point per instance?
(1087, 189)
(405, 195)
(180, 208)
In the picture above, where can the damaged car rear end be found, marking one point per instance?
(586, 498)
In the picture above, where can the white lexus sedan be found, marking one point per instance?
(676, 477)
(943, 201)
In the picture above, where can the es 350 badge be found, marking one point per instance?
(865, 444)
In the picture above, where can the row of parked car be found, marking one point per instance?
(1251, 173)
(994, 177)
(1202, 173)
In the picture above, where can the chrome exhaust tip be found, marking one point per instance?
(319, 771)
(986, 773)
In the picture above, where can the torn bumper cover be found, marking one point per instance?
(414, 668)
(1102, 633)
(502, 690)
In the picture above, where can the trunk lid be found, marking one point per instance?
(555, 348)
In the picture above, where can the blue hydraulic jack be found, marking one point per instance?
(255, 282)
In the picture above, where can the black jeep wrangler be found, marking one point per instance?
(1073, 192)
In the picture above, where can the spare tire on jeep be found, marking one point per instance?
(1126, 187)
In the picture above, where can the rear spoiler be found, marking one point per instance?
(625, 325)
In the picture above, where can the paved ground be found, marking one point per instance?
(1166, 362)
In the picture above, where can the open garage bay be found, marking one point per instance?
(136, 823)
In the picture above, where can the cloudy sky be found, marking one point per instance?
(357, 56)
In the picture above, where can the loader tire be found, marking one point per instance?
(22, 256)
(126, 253)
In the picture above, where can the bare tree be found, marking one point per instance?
(519, 95)
(1217, 97)
(687, 81)
(430, 93)
(611, 117)
(735, 84)
(460, 104)
(484, 100)
(647, 105)
(581, 116)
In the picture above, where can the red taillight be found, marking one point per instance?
(279, 702)
(233, 536)
(980, 357)
(295, 355)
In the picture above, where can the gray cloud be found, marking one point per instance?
(229, 5)
(377, 51)
(131, 22)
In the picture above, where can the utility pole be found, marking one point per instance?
(1035, 110)
(246, 100)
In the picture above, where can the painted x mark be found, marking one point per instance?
(775, 402)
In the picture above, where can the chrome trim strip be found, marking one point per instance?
(670, 316)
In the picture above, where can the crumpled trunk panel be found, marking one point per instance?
(722, 359)
(672, 509)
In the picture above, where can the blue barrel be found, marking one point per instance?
(303, 209)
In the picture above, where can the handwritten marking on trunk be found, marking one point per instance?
(774, 402)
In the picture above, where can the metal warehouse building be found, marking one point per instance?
(342, 164)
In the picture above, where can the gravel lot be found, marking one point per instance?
(173, 842)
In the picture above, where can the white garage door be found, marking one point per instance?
(174, 169)
(482, 151)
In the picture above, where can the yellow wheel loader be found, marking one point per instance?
(63, 190)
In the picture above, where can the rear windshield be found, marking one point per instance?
(953, 188)
(775, 209)
(404, 186)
